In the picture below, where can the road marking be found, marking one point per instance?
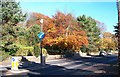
(35, 73)
(19, 71)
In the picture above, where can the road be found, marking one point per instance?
(80, 66)
(94, 65)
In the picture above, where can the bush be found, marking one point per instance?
(10, 49)
(69, 53)
(83, 48)
(25, 51)
(55, 52)
(36, 50)
(3, 55)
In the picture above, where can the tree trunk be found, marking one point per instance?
(118, 8)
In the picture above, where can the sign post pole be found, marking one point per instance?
(41, 56)
(41, 36)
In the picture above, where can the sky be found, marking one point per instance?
(105, 12)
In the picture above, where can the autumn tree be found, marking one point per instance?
(33, 30)
(108, 41)
(69, 34)
(62, 32)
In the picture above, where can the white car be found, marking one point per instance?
(109, 53)
(102, 53)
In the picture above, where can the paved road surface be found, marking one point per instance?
(77, 66)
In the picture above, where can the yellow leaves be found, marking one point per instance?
(107, 35)
(66, 44)
(106, 40)
(51, 30)
(107, 43)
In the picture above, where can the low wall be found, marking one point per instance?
(29, 58)
(50, 57)
(83, 54)
(94, 53)
(54, 57)
(33, 58)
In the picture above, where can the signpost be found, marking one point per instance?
(41, 35)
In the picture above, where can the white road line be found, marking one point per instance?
(35, 73)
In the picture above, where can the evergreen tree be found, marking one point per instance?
(11, 14)
(88, 24)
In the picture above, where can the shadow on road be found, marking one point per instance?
(95, 59)
(36, 69)
(103, 63)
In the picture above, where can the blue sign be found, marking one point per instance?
(41, 35)
(13, 59)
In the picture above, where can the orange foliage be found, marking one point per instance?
(62, 31)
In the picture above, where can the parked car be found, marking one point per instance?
(102, 53)
(109, 53)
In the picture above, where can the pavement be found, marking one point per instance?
(24, 67)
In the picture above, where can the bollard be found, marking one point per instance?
(43, 60)
(14, 63)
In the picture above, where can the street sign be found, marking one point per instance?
(41, 35)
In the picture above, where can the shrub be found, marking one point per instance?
(69, 53)
(36, 50)
(83, 48)
(25, 51)
(10, 49)
(3, 55)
